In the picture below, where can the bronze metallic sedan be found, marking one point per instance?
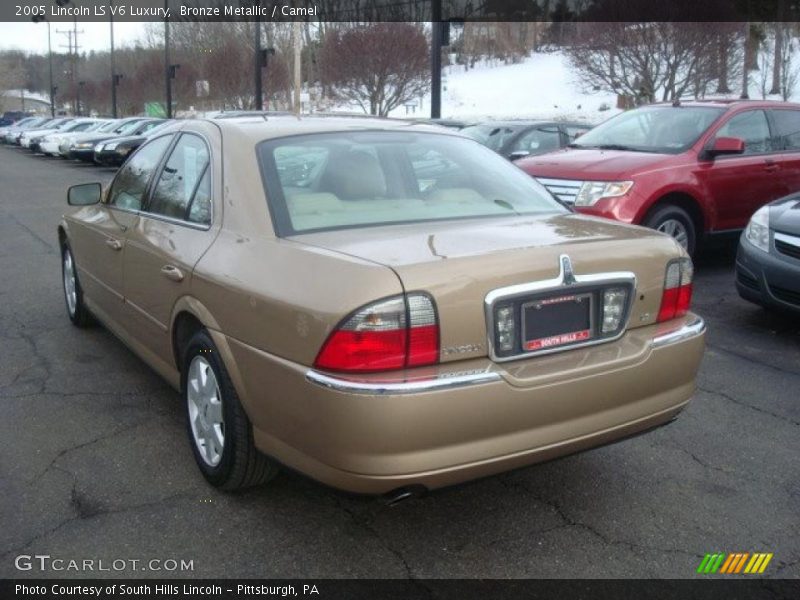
(386, 307)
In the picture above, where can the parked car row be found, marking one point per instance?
(103, 141)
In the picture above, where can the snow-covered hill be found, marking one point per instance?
(541, 86)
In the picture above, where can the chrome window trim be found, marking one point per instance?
(420, 386)
(564, 282)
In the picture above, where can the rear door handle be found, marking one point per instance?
(770, 166)
(114, 244)
(172, 272)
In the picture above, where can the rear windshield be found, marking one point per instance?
(662, 129)
(341, 180)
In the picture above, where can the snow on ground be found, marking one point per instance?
(542, 86)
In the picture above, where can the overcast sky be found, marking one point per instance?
(32, 37)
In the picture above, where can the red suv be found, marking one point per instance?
(689, 170)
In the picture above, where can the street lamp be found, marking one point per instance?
(114, 80)
(39, 19)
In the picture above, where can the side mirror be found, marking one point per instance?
(84, 194)
(725, 145)
(517, 154)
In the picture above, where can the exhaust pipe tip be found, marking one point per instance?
(402, 494)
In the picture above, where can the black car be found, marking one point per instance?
(114, 152)
(83, 149)
(768, 259)
(518, 139)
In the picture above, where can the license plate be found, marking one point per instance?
(557, 321)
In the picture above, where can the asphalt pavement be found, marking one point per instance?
(95, 464)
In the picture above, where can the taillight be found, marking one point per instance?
(677, 296)
(395, 333)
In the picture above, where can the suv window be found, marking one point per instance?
(787, 129)
(539, 140)
(130, 184)
(574, 132)
(750, 126)
(178, 180)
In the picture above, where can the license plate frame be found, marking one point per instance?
(555, 340)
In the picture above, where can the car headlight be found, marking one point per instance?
(112, 146)
(99, 148)
(757, 230)
(83, 146)
(592, 191)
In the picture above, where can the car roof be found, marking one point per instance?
(257, 129)
(524, 123)
(731, 103)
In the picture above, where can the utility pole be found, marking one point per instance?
(436, 59)
(73, 47)
(745, 74)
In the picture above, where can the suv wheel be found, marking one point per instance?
(676, 222)
(220, 434)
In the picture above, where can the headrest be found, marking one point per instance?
(354, 175)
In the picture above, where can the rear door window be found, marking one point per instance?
(178, 181)
(537, 141)
(787, 129)
(752, 127)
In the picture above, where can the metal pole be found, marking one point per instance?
(259, 64)
(113, 68)
(297, 74)
(50, 66)
(436, 59)
(167, 63)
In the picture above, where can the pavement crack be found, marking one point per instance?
(571, 522)
(100, 438)
(747, 405)
(750, 359)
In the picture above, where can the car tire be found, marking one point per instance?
(676, 222)
(220, 433)
(73, 293)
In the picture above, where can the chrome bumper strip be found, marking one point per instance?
(443, 382)
(693, 328)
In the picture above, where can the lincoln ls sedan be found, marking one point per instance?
(387, 307)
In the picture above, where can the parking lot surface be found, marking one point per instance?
(95, 462)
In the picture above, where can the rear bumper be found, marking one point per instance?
(455, 422)
(767, 279)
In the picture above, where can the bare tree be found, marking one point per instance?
(378, 66)
(647, 61)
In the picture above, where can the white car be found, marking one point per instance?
(51, 127)
(50, 143)
(18, 128)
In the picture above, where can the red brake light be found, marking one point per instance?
(677, 296)
(390, 334)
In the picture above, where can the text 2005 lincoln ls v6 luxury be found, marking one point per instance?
(382, 306)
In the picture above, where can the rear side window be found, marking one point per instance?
(787, 129)
(750, 126)
(179, 180)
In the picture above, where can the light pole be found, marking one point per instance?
(114, 80)
(169, 73)
(39, 19)
(436, 59)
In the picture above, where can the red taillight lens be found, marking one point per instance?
(391, 334)
(677, 296)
